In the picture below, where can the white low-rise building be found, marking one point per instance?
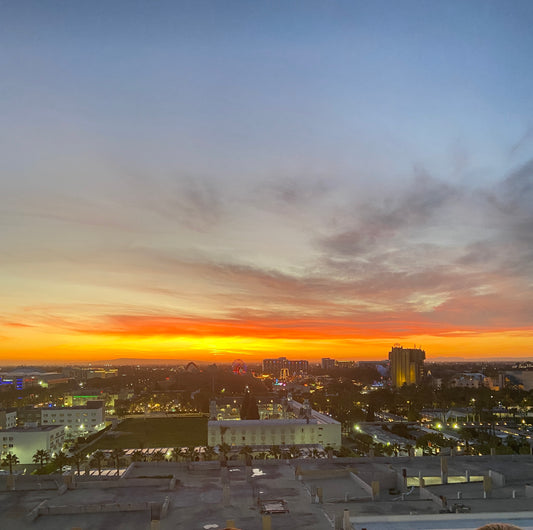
(8, 419)
(314, 430)
(25, 442)
(79, 420)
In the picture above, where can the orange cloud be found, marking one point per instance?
(254, 337)
(367, 326)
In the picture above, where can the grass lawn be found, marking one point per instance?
(135, 433)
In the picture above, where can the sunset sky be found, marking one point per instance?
(214, 179)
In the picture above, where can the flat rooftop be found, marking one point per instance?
(43, 428)
(244, 423)
(92, 404)
(303, 493)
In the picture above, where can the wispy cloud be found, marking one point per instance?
(389, 219)
(193, 202)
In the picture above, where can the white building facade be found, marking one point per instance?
(315, 429)
(25, 442)
(78, 420)
(8, 419)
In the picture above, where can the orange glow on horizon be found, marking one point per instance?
(213, 341)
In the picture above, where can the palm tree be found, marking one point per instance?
(60, 460)
(137, 456)
(315, 453)
(41, 457)
(97, 459)
(77, 459)
(188, 452)
(344, 452)
(224, 449)
(116, 456)
(247, 452)
(275, 451)
(295, 451)
(176, 453)
(396, 449)
(209, 453)
(388, 450)
(158, 456)
(285, 453)
(10, 460)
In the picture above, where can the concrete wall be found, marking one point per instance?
(32, 482)
(387, 477)
(426, 494)
(164, 507)
(498, 479)
(129, 470)
(93, 508)
(360, 482)
(129, 483)
(34, 513)
(312, 474)
(44, 509)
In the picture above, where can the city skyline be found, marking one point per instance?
(198, 180)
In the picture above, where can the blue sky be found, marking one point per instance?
(274, 81)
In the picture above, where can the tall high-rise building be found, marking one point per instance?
(328, 363)
(406, 365)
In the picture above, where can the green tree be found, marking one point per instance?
(10, 460)
(138, 456)
(275, 451)
(428, 442)
(209, 453)
(247, 453)
(188, 453)
(176, 454)
(401, 429)
(387, 449)
(116, 456)
(77, 459)
(249, 409)
(122, 408)
(96, 460)
(396, 449)
(60, 460)
(41, 457)
(315, 453)
(157, 456)
(224, 449)
(344, 452)
(295, 451)
(244, 405)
